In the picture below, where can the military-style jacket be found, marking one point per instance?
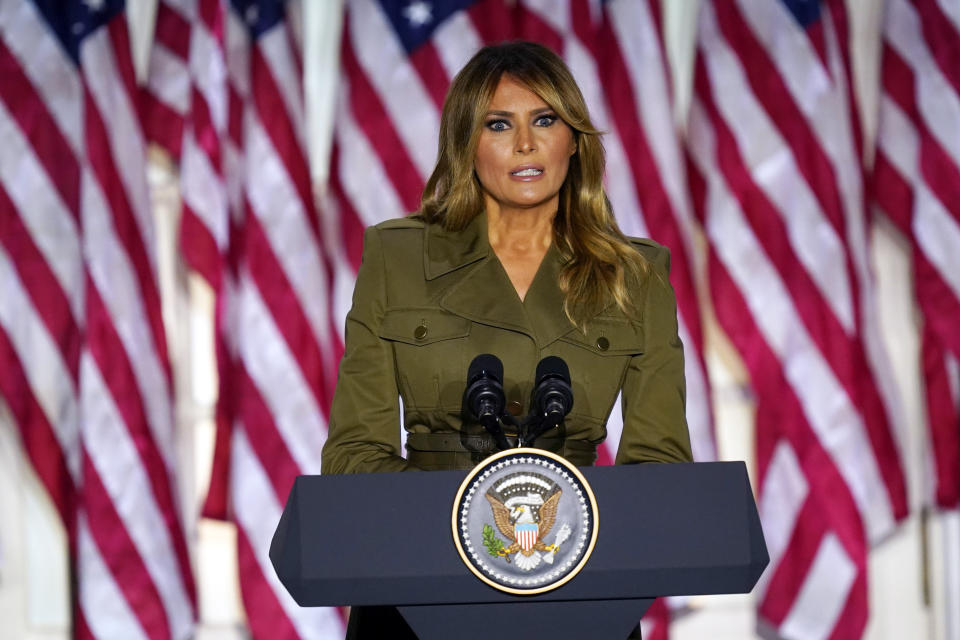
(427, 301)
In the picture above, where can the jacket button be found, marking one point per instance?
(514, 408)
(420, 332)
(602, 343)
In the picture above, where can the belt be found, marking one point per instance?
(436, 451)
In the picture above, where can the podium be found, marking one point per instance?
(385, 539)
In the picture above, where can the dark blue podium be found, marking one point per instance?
(385, 539)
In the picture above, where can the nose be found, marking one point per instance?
(525, 142)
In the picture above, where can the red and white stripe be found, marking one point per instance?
(916, 182)
(776, 177)
(41, 262)
(86, 371)
(250, 228)
(526, 538)
(166, 98)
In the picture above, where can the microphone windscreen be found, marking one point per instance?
(485, 365)
(553, 367)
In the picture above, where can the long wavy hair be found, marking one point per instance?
(598, 259)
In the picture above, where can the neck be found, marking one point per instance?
(521, 231)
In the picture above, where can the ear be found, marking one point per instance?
(574, 145)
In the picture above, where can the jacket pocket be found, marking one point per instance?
(609, 337)
(428, 345)
(421, 327)
(597, 361)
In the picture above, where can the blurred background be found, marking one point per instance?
(183, 188)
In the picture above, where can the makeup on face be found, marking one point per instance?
(524, 150)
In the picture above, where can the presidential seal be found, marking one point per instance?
(525, 521)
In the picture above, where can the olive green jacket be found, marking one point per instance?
(427, 301)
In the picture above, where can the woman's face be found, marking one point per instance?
(524, 150)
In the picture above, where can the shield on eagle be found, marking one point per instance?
(526, 534)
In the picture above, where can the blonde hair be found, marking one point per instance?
(599, 259)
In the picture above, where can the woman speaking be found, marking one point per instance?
(514, 252)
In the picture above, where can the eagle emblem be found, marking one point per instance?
(524, 509)
(524, 521)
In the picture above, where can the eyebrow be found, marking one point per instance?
(511, 113)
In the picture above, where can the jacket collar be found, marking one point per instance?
(485, 294)
(445, 251)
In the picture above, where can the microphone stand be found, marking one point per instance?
(533, 427)
(527, 431)
(491, 423)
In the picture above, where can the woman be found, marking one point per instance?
(514, 252)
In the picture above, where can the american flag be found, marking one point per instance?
(250, 227)
(85, 367)
(777, 180)
(916, 183)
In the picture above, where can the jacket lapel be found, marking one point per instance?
(486, 295)
(446, 251)
(483, 291)
(544, 301)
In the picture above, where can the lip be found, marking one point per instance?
(523, 167)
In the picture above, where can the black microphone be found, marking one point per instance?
(484, 395)
(552, 397)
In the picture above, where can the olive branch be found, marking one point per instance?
(493, 544)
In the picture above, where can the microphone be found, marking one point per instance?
(484, 396)
(552, 398)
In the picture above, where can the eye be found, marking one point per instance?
(545, 120)
(497, 125)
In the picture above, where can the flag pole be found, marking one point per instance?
(951, 562)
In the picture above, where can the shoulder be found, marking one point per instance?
(395, 234)
(400, 223)
(398, 246)
(656, 254)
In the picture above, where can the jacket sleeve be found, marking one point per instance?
(364, 433)
(654, 391)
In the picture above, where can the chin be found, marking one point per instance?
(532, 200)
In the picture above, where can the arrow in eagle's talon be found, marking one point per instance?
(562, 536)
